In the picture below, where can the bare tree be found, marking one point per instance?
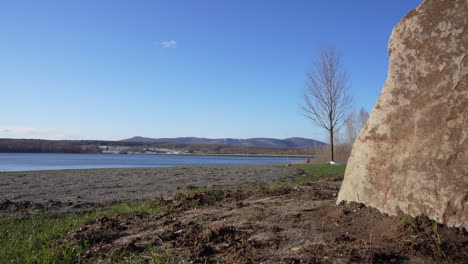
(326, 98)
(351, 127)
(363, 116)
(354, 123)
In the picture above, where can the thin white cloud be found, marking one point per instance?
(38, 133)
(169, 44)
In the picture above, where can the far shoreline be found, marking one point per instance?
(184, 154)
(227, 155)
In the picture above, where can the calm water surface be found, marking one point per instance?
(46, 161)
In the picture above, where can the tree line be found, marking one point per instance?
(45, 146)
(91, 146)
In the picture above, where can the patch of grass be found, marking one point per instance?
(240, 194)
(29, 239)
(194, 197)
(314, 172)
(406, 221)
(270, 188)
(328, 235)
(437, 249)
(254, 216)
(417, 225)
(207, 234)
(204, 222)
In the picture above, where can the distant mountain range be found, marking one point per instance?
(295, 142)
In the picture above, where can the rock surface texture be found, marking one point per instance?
(412, 155)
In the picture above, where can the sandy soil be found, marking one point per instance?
(129, 184)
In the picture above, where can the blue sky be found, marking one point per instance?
(112, 69)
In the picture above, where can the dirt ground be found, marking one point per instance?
(295, 223)
(80, 188)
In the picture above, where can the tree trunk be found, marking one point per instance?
(332, 154)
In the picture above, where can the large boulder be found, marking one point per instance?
(412, 155)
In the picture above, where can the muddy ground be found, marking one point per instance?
(292, 223)
(77, 189)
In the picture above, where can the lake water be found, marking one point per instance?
(46, 161)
